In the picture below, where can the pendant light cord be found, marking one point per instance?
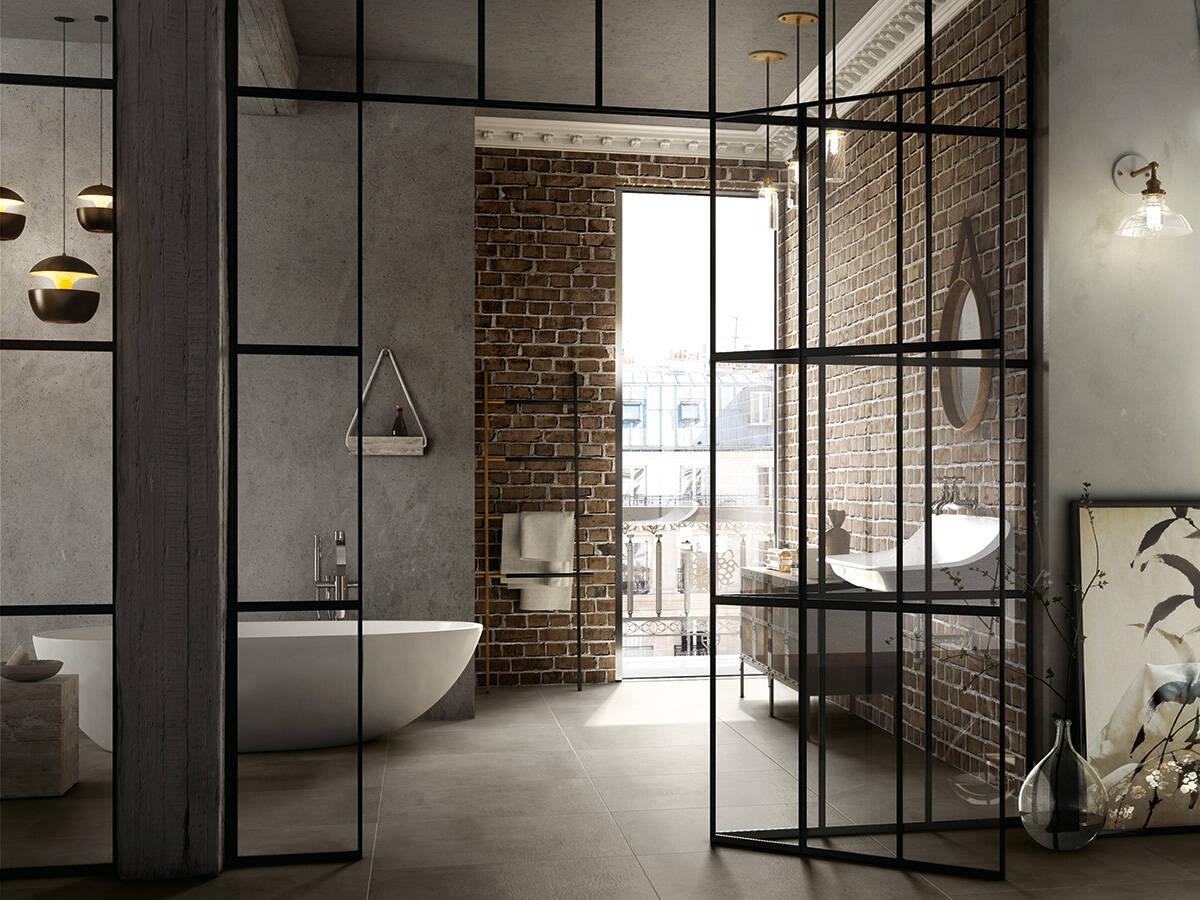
(100, 91)
(64, 139)
(767, 146)
(799, 156)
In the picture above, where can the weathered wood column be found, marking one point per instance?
(171, 410)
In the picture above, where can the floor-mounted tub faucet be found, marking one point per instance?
(336, 590)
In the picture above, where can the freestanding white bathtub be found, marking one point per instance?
(297, 684)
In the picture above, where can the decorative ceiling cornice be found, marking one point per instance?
(889, 33)
(604, 137)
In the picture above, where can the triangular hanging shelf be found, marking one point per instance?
(388, 445)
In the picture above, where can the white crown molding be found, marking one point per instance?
(600, 137)
(888, 34)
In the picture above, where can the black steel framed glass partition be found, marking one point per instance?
(916, 824)
(57, 441)
(906, 660)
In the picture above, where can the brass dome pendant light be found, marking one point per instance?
(767, 190)
(98, 218)
(63, 304)
(11, 223)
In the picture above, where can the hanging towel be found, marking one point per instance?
(537, 598)
(510, 555)
(537, 594)
(547, 535)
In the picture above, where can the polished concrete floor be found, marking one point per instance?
(558, 794)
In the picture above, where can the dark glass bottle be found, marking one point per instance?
(399, 428)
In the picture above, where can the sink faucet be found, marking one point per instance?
(337, 589)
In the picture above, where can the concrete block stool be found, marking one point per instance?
(39, 737)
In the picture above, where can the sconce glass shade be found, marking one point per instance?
(793, 179)
(835, 156)
(12, 223)
(64, 304)
(1154, 219)
(98, 218)
(769, 194)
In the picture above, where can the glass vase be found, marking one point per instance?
(1063, 801)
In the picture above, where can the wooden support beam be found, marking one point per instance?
(169, 379)
(266, 56)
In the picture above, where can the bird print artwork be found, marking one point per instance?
(1156, 531)
(1141, 662)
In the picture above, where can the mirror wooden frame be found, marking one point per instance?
(957, 413)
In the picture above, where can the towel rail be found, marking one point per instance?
(569, 406)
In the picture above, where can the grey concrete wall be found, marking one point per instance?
(55, 409)
(297, 280)
(1121, 316)
(297, 284)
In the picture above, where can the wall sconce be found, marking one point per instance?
(11, 223)
(1153, 218)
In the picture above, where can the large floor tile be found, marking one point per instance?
(486, 768)
(681, 791)
(428, 797)
(655, 831)
(724, 873)
(581, 879)
(1102, 863)
(472, 736)
(1181, 849)
(316, 882)
(734, 755)
(615, 737)
(467, 839)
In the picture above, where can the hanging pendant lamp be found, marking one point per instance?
(63, 304)
(836, 140)
(98, 218)
(11, 223)
(796, 160)
(767, 190)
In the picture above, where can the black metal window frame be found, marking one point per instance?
(926, 355)
(620, 576)
(884, 354)
(47, 345)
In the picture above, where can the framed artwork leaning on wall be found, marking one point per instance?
(1140, 661)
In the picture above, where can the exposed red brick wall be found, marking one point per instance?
(861, 224)
(546, 307)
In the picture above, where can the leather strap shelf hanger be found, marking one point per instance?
(388, 445)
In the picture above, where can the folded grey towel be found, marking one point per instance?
(512, 562)
(547, 535)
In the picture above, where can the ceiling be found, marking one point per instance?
(35, 18)
(655, 53)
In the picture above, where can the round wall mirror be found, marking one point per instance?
(965, 390)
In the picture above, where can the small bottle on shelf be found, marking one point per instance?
(399, 428)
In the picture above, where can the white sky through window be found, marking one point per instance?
(664, 276)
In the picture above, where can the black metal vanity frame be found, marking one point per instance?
(911, 354)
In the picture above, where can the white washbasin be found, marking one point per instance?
(965, 555)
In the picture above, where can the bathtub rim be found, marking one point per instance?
(317, 628)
